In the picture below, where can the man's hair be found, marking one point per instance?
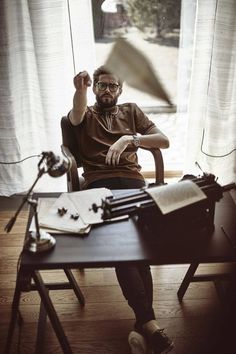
(102, 70)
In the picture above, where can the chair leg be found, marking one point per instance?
(75, 286)
(187, 280)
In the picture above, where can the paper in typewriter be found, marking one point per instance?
(174, 196)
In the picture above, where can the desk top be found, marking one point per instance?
(110, 244)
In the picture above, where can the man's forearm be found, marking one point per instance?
(81, 82)
(77, 113)
(76, 117)
(156, 140)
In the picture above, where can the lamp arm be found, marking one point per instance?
(12, 221)
(55, 168)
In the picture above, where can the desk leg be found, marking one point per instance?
(51, 312)
(75, 286)
(14, 314)
(187, 280)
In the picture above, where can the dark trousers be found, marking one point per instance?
(136, 280)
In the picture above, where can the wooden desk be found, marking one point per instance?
(123, 242)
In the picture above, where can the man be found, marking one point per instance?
(108, 141)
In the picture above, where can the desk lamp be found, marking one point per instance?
(39, 240)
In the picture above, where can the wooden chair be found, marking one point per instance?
(70, 149)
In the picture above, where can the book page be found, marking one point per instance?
(175, 196)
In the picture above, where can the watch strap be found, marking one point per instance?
(136, 141)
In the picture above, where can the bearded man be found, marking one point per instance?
(109, 135)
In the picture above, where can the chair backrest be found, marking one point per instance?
(70, 147)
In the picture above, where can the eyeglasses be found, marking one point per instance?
(102, 86)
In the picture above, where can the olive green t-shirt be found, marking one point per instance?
(100, 130)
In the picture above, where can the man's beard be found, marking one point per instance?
(105, 103)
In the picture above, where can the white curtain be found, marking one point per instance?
(37, 39)
(211, 133)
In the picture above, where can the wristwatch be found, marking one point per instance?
(136, 141)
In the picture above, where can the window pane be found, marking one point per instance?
(163, 30)
(152, 27)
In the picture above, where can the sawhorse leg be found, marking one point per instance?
(23, 283)
(75, 286)
(42, 321)
(15, 314)
(51, 312)
(187, 280)
(43, 313)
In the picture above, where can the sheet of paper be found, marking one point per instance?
(52, 219)
(83, 201)
(44, 204)
(132, 66)
(175, 196)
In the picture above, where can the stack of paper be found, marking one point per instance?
(53, 220)
(79, 203)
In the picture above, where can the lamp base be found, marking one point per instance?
(44, 243)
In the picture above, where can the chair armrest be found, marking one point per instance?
(159, 164)
(72, 175)
(73, 181)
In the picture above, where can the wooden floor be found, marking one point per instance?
(199, 325)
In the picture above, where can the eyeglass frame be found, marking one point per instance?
(107, 85)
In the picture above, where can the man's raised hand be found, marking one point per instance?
(82, 80)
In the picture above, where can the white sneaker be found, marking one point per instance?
(137, 343)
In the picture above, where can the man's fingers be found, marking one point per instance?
(112, 158)
(118, 159)
(108, 158)
(83, 74)
(82, 79)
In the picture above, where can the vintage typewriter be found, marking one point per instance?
(183, 218)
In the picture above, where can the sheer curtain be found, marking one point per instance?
(37, 40)
(211, 138)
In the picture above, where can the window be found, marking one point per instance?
(157, 38)
(162, 40)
